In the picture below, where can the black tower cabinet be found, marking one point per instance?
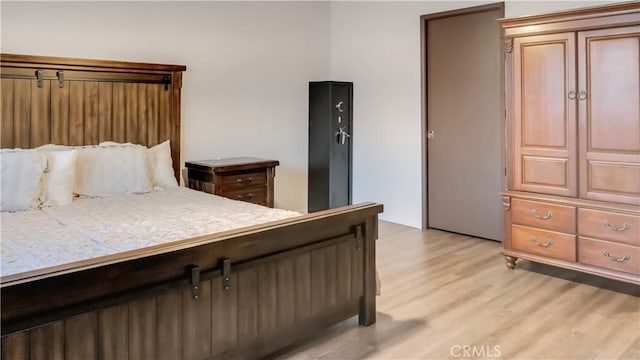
(330, 144)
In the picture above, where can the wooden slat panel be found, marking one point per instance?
(60, 114)
(267, 298)
(6, 139)
(196, 331)
(175, 122)
(153, 113)
(286, 295)
(343, 269)
(131, 112)
(47, 342)
(80, 337)
(332, 280)
(76, 112)
(318, 281)
(113, 334)
(224, 315)
(91, 112)
(119, 111)
(247, 306)
(22, 113)
(357, 280)
(170, 325)
(303, 286)
(142, 328)
(16, 346)
(142, 114)
(105, 100)
(164, 106)
(40, 113)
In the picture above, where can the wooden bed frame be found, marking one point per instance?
(239, 294)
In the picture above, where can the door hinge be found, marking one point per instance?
(226, 273)
(195, 281)
(60, 75)
(39, 78)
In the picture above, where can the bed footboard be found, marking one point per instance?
(244, 295)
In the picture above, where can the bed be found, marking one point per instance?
(243, 292)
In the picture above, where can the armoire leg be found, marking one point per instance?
(510, 261)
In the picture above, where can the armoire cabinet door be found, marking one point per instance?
(609, 114)
(545, 114)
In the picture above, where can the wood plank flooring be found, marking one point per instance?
(449, 296)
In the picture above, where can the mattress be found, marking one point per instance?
(94, 227)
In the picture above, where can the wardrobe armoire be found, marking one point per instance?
(573, 140)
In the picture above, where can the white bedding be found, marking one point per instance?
(92, 227)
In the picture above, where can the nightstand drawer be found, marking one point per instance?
(609, 226)
(609, 255)
(545, 243)
(256, 195)
(542, 215)
(245, 180)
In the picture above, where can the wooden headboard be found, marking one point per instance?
(83, 102)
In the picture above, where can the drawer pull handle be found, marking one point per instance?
(534, 240)
(622, 259)
(546, 217)
(249, 179)
(624, 226)
(249, 196)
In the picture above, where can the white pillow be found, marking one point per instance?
(20, 179)
(112, 170)
(162, 165)
(59, 178)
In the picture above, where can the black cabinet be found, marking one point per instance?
(330, 144)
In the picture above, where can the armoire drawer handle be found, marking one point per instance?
(546, 217)
(622, 259)
(534, 240)
(249, 179)
(582, 95)
(249, 196)
(624, 226)
(572, 95)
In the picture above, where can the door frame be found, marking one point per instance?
(424, 23)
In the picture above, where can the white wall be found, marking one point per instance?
(377, 46)
(521, 8)
(248, 67)
(245, 90)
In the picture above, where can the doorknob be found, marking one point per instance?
(339, 106)
(431, 134)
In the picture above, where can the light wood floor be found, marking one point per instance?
(442, 291)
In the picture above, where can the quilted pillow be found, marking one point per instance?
(162, 165)
(20, 179)
(59, 178)
(112, 170)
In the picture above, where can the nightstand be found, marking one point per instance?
(242, 178)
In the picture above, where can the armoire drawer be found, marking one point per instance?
(609, 226)
(610, 255)
(544, 243)
(543, 215)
